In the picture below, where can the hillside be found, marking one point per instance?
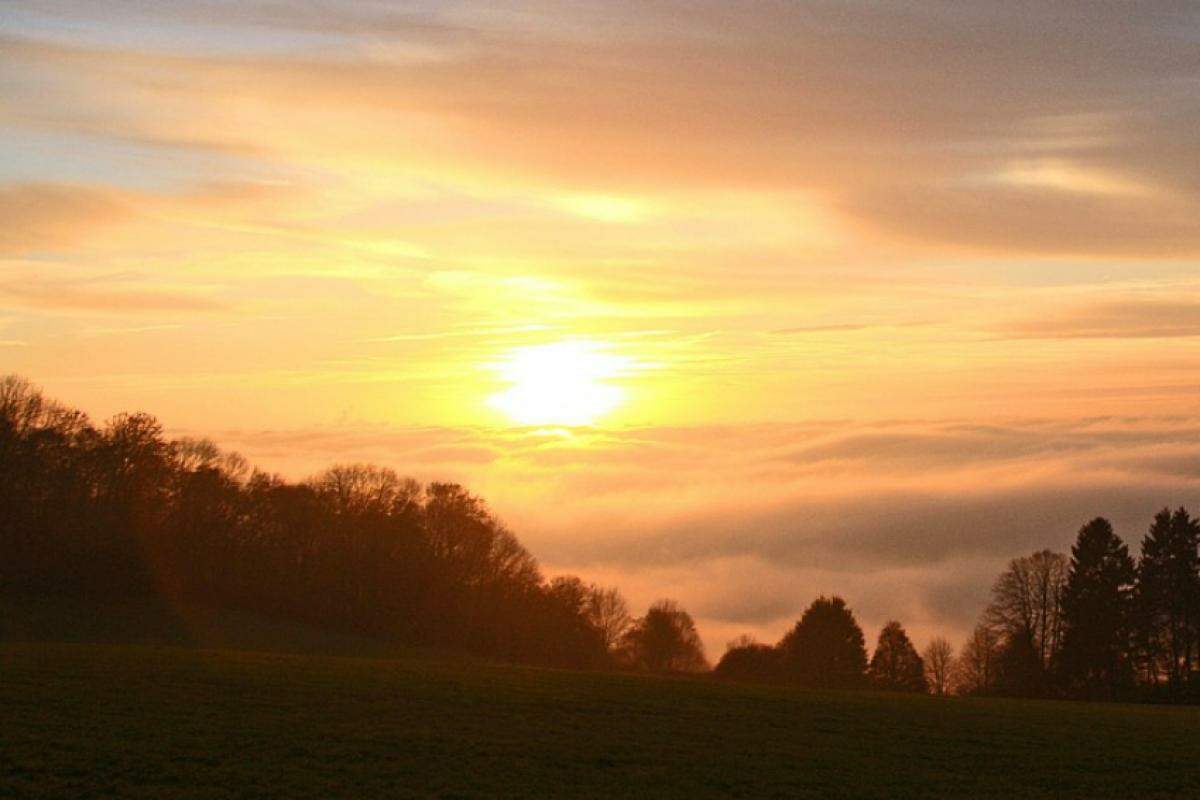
(166, 722)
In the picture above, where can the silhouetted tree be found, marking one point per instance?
(665, 640)
(1168, 598)
(975, 669)
(746, 659)
(609, 613)
(119, 512)
(826, 648)
(1019, 671)
(939, 664)
(895, 666)
(571, 593)
(1026, 610)
(1097, 614)
(578, 642)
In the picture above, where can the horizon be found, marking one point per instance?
(735, 308)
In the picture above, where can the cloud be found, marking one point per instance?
(67, 220)
(1120, 319)
(41, 216)
(891, 118)
(41, 294)
(1033, 220)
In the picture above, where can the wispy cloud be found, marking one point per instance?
(1120, 319)
(883, 130)
(48, 216)
(66, 297)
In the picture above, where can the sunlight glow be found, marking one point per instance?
(1066, 177)
(607, 208)
(562, 383)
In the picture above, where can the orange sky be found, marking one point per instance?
(731, 302)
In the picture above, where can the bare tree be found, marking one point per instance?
(1027, 602)
(191, 455)
(975, 669)
(362, 488)
(194, 454)
(607, 611)
(939, 659)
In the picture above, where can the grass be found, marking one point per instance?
(89, 720)
(37, 619)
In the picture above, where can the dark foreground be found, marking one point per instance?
(160, 722)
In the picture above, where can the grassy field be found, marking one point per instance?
(87, 720)
(45, 620)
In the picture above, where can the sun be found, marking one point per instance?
(562, 383)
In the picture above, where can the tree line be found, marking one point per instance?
(1096, 624)
(118, 512)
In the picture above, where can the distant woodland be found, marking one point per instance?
(118, 512)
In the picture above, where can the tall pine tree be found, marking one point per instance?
(1168, 597)
(1097, 600)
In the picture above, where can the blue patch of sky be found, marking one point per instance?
(27, 156)
(162, 31)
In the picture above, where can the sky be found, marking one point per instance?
(731, 303)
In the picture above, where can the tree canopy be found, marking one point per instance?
(120, 511)
(826, 648)
(896, 666)
(1097, 606)
(746, 659)
(664, 640)
(1168, 598)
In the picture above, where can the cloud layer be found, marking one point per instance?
(942, 125)
(747, 524)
